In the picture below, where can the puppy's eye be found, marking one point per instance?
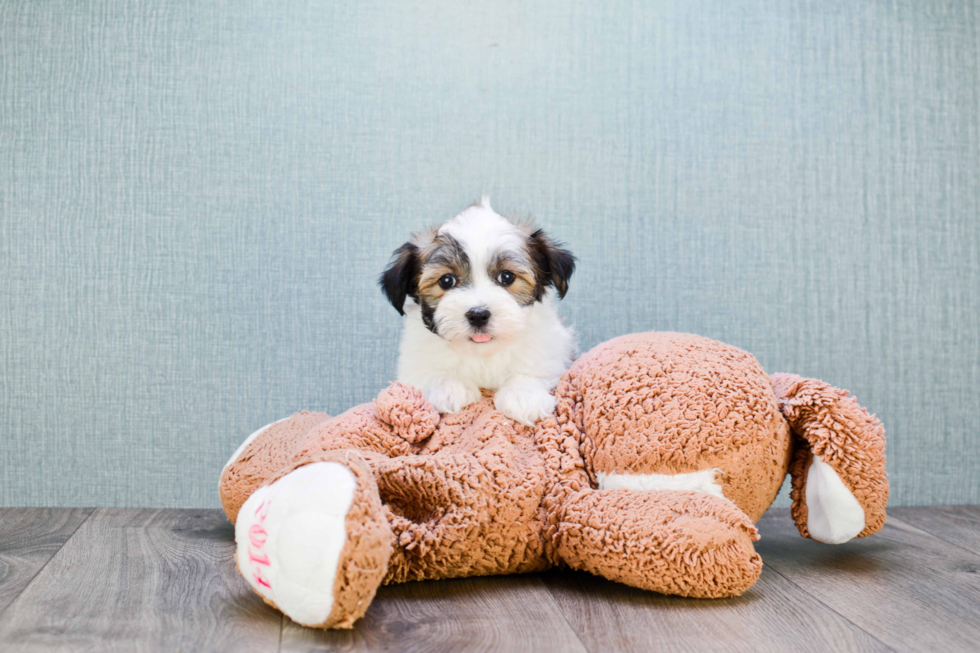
(506, 278)
(447, 281)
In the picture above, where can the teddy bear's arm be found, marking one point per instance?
(435, 505)
(463, 513)
(840, 486)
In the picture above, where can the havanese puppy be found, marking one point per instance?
(478, 296)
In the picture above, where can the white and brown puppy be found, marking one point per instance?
(477, 294)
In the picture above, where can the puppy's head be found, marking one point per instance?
(476, 277)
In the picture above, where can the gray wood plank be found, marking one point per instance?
(959, 525)
(774, 615)
(499, 613)
(133, 580)
(906, 587)
(29, 538)
(142, 580)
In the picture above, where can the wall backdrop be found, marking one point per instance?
(197, 197)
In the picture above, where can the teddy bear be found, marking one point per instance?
(663, 451)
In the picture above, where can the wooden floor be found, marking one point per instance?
(163, 580)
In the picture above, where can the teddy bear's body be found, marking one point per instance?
(663, 451)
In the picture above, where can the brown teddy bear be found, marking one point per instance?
(663, 451)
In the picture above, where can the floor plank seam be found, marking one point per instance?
(826, 605)
(935, 535)
(91, 511)
(282, 626)
(564, 616)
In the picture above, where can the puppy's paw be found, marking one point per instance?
(450, 395)
(524, 400)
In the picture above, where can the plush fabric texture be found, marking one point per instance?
(475, 493)
(685, 543)
(365, 555)
(675, 403)
(271, 451)
(829, 423)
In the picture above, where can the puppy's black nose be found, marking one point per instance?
(478, 316)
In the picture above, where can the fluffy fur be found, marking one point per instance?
(478, 296)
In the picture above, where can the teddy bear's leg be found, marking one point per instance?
(392, 425)
(840, 487)
(315, 542)
(263, 455)
(670, 541)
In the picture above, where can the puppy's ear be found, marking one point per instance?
(400, 278)
(553, 265)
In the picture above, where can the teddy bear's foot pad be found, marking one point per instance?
(290, 536)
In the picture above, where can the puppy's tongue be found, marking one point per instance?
(481, 337)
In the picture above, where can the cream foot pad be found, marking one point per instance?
(290, 536)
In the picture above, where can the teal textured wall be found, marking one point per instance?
(196, 199)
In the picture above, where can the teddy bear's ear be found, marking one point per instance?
(553, 265)
(400, 278)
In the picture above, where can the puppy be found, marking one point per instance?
(477, 294)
